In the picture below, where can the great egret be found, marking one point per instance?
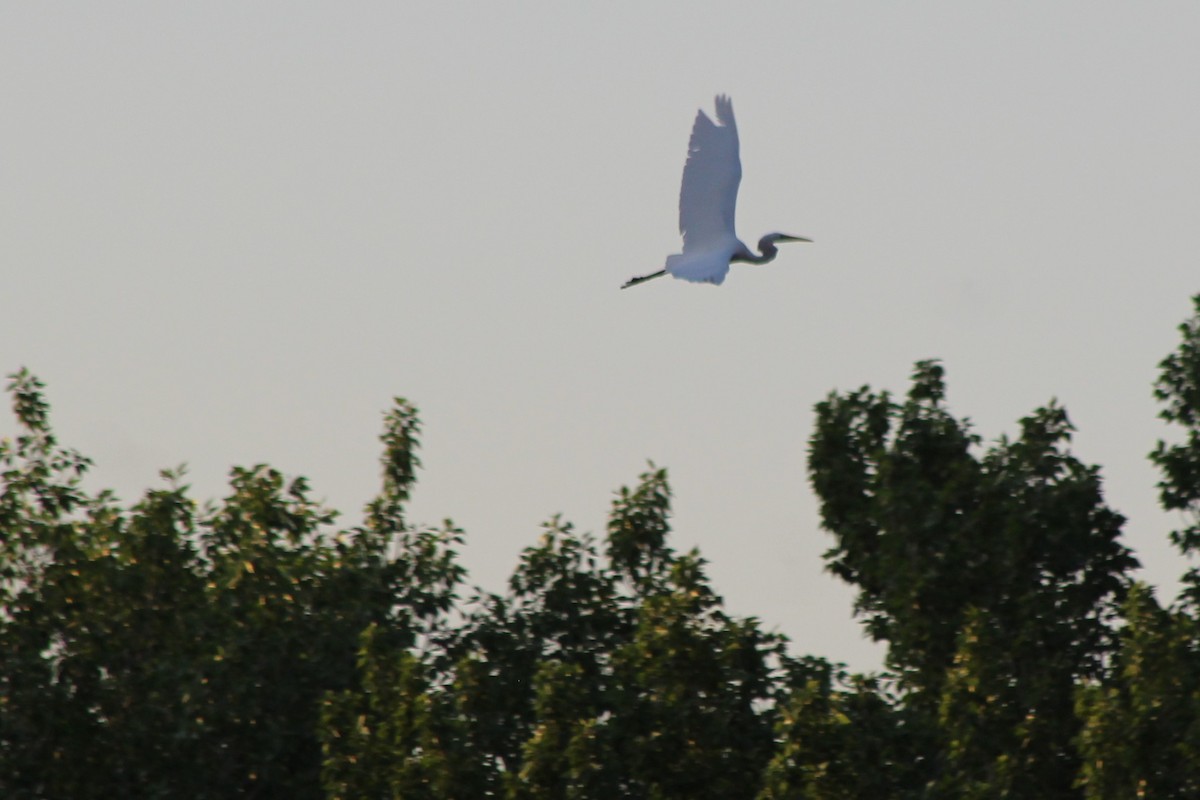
(706, 206)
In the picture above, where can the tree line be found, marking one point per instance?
(254, 647)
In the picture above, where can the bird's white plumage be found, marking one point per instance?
(708, 203)
(708, 197)
(709, 265)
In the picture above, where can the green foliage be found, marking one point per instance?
(1141, 733)
(840, 738)
(1141, 721)
(396, 735)
(252, 648)
(1178, 388)
(166, 651)
(591, 677)
(993, 578)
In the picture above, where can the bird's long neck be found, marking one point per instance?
(744, 256)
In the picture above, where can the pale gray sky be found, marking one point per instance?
(232, 232)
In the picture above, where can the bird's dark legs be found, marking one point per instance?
(636, 281)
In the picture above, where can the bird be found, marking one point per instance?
(707, 200)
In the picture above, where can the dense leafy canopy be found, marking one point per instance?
(251, 647)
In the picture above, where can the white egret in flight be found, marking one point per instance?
(706, 206)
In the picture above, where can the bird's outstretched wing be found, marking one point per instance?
(711, 176)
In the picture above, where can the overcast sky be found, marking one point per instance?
(231, 232)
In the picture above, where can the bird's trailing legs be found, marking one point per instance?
(644, 278)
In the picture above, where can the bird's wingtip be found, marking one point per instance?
(724, 109)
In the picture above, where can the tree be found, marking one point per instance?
(839, 737)
(994, 578)
(250, 647)
(170, 651)
(594, 676)
(1178, 389)
(1141, 735)
(1141, 732)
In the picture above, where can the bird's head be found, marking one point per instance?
(766, 245)
(772, 238)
